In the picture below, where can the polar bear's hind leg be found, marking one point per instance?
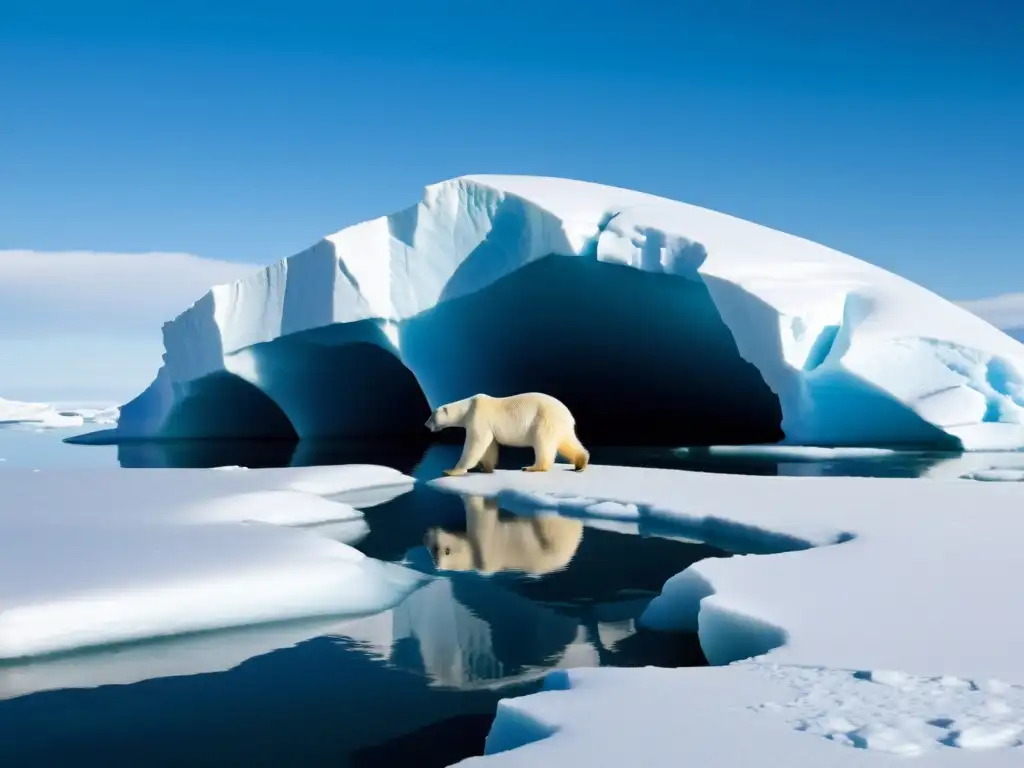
(490, 460)
(544, 452)
(572, 449)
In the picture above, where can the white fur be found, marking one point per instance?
(532, 420)
(535, 545)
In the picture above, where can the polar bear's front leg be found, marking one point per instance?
(477, 442)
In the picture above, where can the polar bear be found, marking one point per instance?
(532, 419)
(536, 545)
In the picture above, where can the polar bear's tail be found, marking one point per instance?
(572, 449)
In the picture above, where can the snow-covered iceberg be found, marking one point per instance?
(512, 283)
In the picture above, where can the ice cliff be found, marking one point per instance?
(710, 327)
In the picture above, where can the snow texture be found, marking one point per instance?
(875, 614)
(99, 558)
(899, 713)
(755, 334)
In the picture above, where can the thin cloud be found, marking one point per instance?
(86, 291)
(1003, 311)
(88, 324)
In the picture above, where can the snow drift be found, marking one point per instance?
(501, 284)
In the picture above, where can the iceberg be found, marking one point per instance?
(502, 284)
(863, 618)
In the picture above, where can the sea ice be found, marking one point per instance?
(282, 496)
(99, 558)
(877, 621)
(55, 416)
(758, 336)
(457, 632)
(967, 465)
(996, 475)
(750, 715)
(195, 654)
(785, 452)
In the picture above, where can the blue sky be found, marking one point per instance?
(891, 130)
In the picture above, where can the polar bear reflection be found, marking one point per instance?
(536, 545)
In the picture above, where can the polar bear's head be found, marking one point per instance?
(448, 415)
(449, 551)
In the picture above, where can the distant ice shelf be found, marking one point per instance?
(501, 284)
(55, 415)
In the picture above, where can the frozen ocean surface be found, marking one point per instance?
(868, 619)
(127, 614)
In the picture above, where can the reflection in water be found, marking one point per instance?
(465, 633)
(537, 545)
(554, 594)
(372, 690)
(132, 663)
(321, 702)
